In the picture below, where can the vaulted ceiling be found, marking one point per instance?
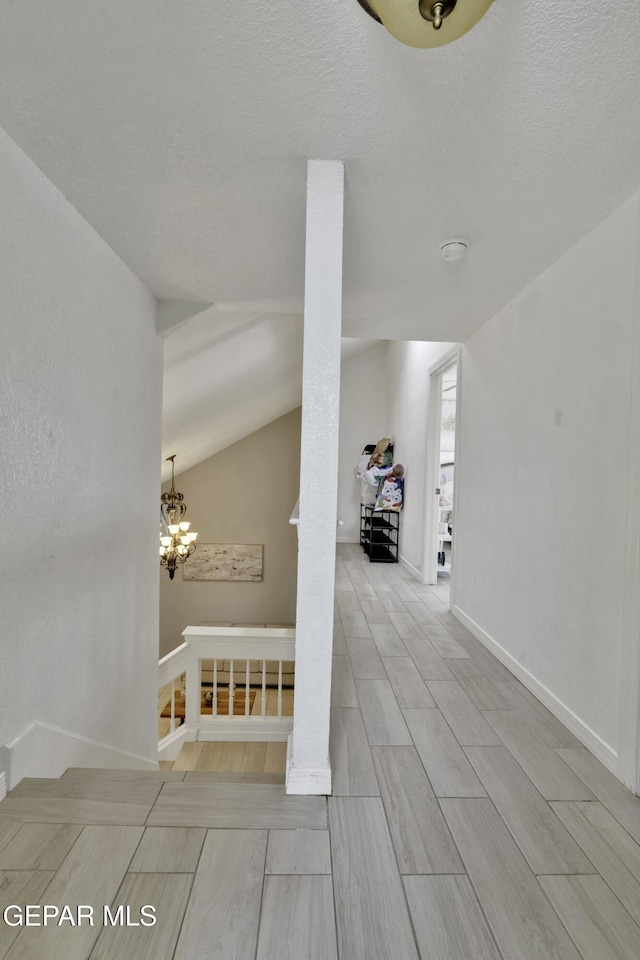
(181, 132)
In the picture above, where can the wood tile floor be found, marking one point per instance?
(466, 822)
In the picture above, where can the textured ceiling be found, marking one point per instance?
(181, 132)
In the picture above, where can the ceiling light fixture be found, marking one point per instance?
(176, 544)
(425, 23)
(454, 249)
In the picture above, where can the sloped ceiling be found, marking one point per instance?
(181, 132)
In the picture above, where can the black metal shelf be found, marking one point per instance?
(379, 532)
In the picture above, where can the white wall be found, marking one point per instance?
(541, 484)
(363, 420)
(408, 363)
(80, 407)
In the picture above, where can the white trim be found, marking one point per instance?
(308, 782)
(414, 570)
(43, 750)
(629, 715)
(432, 460)
(346, 540)
(3, 786)
(601, 750)
(169, 747)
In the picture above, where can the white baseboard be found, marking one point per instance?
(310, 782)
(42, 750)
(410, 566)
(595, 744)
(347, 540)
(3, 786)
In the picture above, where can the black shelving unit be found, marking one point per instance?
(379, 530)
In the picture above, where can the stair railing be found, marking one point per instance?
(227, 683)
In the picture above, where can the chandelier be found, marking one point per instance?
(177, 543)
(425, 23)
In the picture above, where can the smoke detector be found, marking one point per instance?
(454, 249)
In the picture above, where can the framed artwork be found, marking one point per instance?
(225, 561)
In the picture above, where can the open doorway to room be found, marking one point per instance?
(447, 468)
(440, 469)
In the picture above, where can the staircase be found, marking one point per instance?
(152, 849)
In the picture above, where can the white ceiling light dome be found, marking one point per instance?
(454, 249)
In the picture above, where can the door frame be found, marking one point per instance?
(432, 461)
(628, 766)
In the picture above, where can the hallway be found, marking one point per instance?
(465, 822)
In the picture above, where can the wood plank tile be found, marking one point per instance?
(168, 850)
(371, 911)
(297, 919)
(232, 757)
(549, 727)
(521, 918)
(351, 764)
(110, 773)
(354, 624)
(254, 757)
(545, 842)
(421, 614)
(87, 876)
(540, 762)
(374, 612)
(275, 760)
(298, 852)
(365, 659)
(613, 852)
(387, 641)
(339, 646)
(168, 893)
(624, 806)
(491, 666)
(383, 720)
(244, 806)
(188, 757)
(406, 626)
(60, 810)
(468, 725)
(115, 791)
(233, 776)
(448, 920)
(221, 921)
(599, 925)
(429, 663)
(419, 833)
(19, 887)
(391, 602)
(485, 693)
(409, 687)
(446, 645)
(455, 628)
(447, 767)
(347, 600)
(8, 830)
(364, 591)
(39, 846)
(343, 690)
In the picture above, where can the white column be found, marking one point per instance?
(308, 769)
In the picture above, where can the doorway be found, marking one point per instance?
(440, 469)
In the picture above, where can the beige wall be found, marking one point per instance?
(245, 494)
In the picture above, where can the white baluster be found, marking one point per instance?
(263, 708)
(247, 681)
(172, 725)
(231, 688)
(279, 689)
(214, 702)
